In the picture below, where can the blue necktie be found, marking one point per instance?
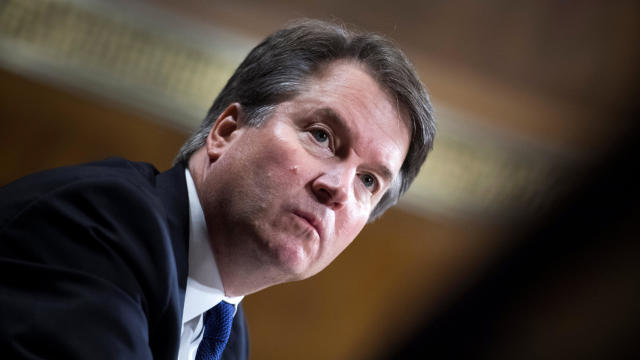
(217, 326)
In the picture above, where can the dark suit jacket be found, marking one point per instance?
(93, 264)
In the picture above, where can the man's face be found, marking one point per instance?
(297, 189)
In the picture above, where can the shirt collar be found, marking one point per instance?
(204, 285)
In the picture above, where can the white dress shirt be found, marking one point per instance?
(204, 285)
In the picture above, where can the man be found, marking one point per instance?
(318, 131)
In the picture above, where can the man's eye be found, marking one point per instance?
(369, 182)
(323, 139)
(320, 135)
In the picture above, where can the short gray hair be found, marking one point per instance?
(277, 69)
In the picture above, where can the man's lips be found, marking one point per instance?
(311, 219)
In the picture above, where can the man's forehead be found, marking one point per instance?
(338, 72)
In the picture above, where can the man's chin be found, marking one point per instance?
(292, 264)
(292, 256)
(293, 269)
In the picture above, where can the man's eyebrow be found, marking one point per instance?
(330, 115)
(386, 174)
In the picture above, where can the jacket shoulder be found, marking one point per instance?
(100, 231)
(118, 172)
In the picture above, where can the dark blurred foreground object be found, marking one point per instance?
(568, 289)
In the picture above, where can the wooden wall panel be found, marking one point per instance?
(43, 127)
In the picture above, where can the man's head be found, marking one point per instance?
(318, 131)
(278, 68)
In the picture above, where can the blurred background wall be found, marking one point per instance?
(519, 238)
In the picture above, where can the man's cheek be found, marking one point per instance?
(287, 166)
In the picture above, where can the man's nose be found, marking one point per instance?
(332, 187)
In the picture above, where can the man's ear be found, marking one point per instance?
(224, 131)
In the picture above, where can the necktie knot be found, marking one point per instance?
(217, 327)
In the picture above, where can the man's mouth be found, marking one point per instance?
(310, 219)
